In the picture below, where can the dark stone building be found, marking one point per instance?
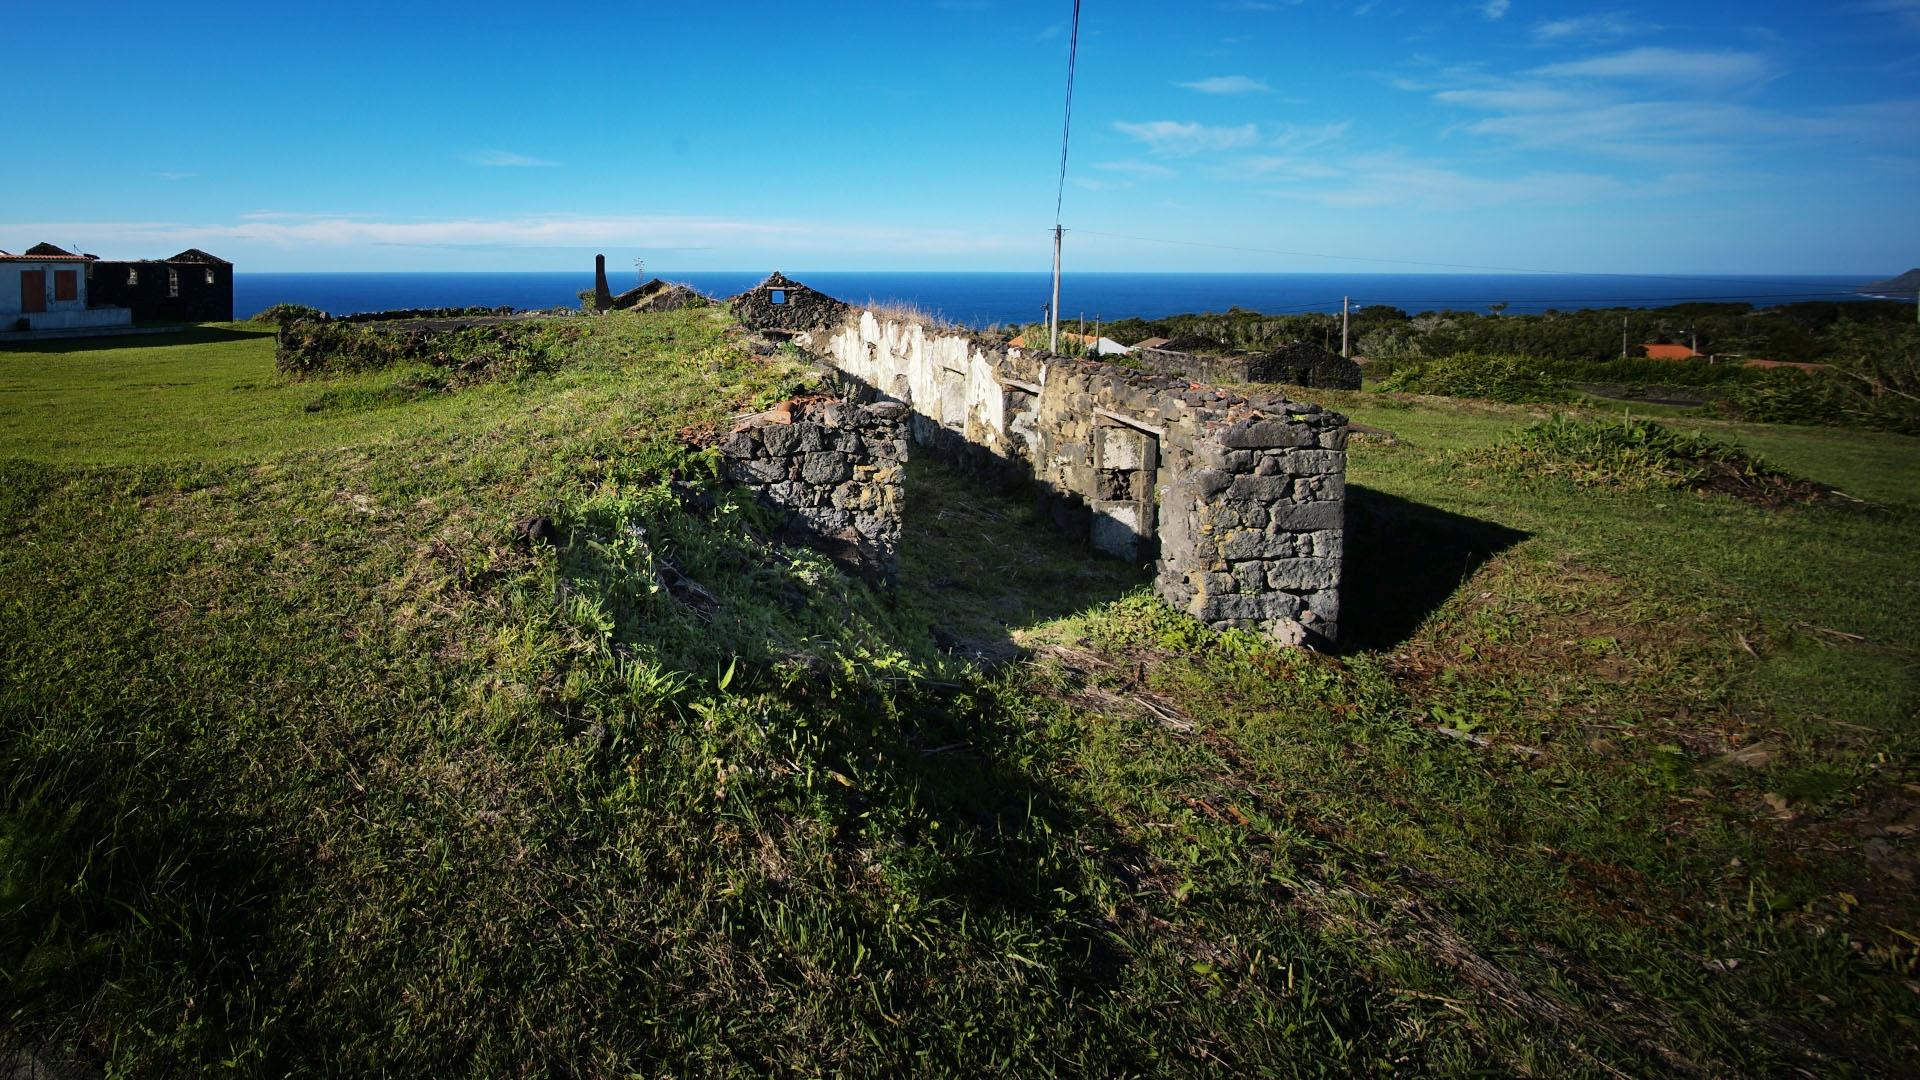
(193, 286)
(784, 305)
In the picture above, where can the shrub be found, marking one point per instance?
(282, 314)
(1638, 455)
(468, 355)
(1829, 398)
(1788, 396)
(1515, 379)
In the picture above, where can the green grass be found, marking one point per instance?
(312, 767)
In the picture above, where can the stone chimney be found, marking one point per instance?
(602, 296)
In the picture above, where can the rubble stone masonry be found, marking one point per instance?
(836, 470)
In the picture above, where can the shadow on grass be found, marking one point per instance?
(980, 559)
(1403, 560)
(157, 338)
(116, 878)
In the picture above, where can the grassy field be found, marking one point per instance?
(311, 765)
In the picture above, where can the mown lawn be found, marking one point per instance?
(313, 766)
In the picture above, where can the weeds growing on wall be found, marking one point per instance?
(282, 314)
(469, 355)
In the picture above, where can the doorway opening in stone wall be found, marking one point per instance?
(1126, 465)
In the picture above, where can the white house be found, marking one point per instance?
(46, 289)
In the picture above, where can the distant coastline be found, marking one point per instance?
(983, 298)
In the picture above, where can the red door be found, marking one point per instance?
(33, 291)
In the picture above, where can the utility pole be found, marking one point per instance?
(1623, 337)
(1053, 318)
(1346, 303)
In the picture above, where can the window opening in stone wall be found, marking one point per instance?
(209, 275)
(779, 296)
(133, 276)
(173, 282)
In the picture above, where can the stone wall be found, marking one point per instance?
(783, 304)
(836, 469)
(1237, 500)
(1295, 363)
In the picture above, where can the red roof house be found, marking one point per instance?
(1670, 352)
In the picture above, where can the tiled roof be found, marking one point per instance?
(1669, 352)
(44, 253)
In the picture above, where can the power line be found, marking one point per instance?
(1060, 190)
(1066, 122)
(1442, 265)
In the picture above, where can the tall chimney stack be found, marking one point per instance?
(602, 296)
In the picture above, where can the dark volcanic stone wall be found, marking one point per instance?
(781, 303)
(836, 469)
(1295, 364)
(1298, 363)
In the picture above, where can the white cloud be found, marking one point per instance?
(1228, 84)
(293, 231)
(1612, 105)
(1170, 138)
(1906, 11)
(1608, 26)
(1285, 167)
(1299, 137)
(1657, 64)
(1145, 169)
(1519, 97)
(1495, 10)
(507, 159)
(1368, 181)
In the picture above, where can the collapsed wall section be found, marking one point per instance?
(1237, 500)
(835, 470)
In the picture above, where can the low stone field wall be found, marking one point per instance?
(1238, 501)
(468, 349)
(835, 469)
(1297, 364)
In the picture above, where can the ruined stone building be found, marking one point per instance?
(1236, 500)
(192, 286)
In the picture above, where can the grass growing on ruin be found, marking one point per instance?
(313, 765)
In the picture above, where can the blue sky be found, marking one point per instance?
(1681, 137)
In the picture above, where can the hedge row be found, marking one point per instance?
(471, 354)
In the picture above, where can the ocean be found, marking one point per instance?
(981, 299)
